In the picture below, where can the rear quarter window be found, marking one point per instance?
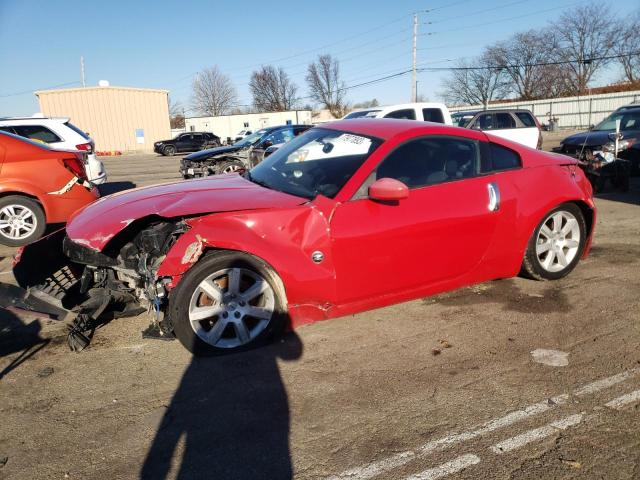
(433, 115)
(526, 119)
(37, 132)
(406, 114)
(503, 158)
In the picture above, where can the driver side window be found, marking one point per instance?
(431, 160)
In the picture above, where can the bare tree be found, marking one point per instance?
(367, 104)
(585, 35)
(176, 114)
(272, 90)
(326, 86)
(475, 82)
(213, 92)
(527, 59)
(628, 48)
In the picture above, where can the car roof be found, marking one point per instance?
(384, 128)
(6, 120)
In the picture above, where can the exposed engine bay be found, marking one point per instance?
(96, 287)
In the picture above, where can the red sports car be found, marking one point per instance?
(349, 216)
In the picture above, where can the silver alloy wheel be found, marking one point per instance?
(231, 307)
(558, 241)
(17, 222)
(231, 169)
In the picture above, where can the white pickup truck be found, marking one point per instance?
(427, 112)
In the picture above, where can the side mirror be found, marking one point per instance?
(388, 190)
(267, 144)
(613, 135)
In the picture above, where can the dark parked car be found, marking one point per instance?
(187, 142)
(601, 138)
(243, 154)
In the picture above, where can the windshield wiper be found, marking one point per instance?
(258, 182)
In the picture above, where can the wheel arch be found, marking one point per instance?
(30, 195)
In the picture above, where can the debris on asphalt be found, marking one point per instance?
(3, 461)
(571, 463)
(436, 351)
(444, 344)
(45, 372)
(552, 358)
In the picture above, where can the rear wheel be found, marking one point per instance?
(557, 244)
(21, 220)
(169, 151)
(227, 302)
(228, 166)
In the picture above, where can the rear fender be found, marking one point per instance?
(285, 240)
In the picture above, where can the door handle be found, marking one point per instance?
(494, 197)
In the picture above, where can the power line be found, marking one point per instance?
(455, 17)
(24, 92)
(466, 27)
(523, 65)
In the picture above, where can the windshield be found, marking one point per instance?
(251, 139)
(318, 162)
(361, 113)
(629, 120)
(461, 120)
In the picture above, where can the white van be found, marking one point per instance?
(425, 111)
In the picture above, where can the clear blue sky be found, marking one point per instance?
(160, 44)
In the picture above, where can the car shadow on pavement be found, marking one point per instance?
(114, 187)
(230, 418)
(17, 336)
(631, 197)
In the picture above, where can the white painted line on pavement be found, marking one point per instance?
(624, 400)
(536, 434)
(372, 470)
(454, 466)
(606, 382)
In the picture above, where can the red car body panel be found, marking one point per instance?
(439, 238)
(178, 199)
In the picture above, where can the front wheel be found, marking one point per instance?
(228, 302)
(22, 220)
(557, 244)
(169, 151)
(228, 166)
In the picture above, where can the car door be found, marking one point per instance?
(436, 235)
(197, 142)
(183, 144)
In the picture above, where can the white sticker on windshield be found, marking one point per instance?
(347, 137)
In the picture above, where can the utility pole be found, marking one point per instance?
(414, 93)
(82, 70)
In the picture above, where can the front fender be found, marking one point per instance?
(284, 239)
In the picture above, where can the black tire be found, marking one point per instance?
(228, 166)
(38, 216)
(531, 264)
(169, 151)
(181, 298)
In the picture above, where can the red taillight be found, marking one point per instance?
(84, 147)
(75, 166)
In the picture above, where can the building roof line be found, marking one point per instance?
(110, 87)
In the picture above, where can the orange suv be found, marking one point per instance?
(38, 185)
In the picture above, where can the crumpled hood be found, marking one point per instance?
(96, 224)
(210, 152)
(595, 138)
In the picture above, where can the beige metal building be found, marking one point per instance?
(117, 118)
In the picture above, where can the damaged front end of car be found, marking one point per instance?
(94, 286)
